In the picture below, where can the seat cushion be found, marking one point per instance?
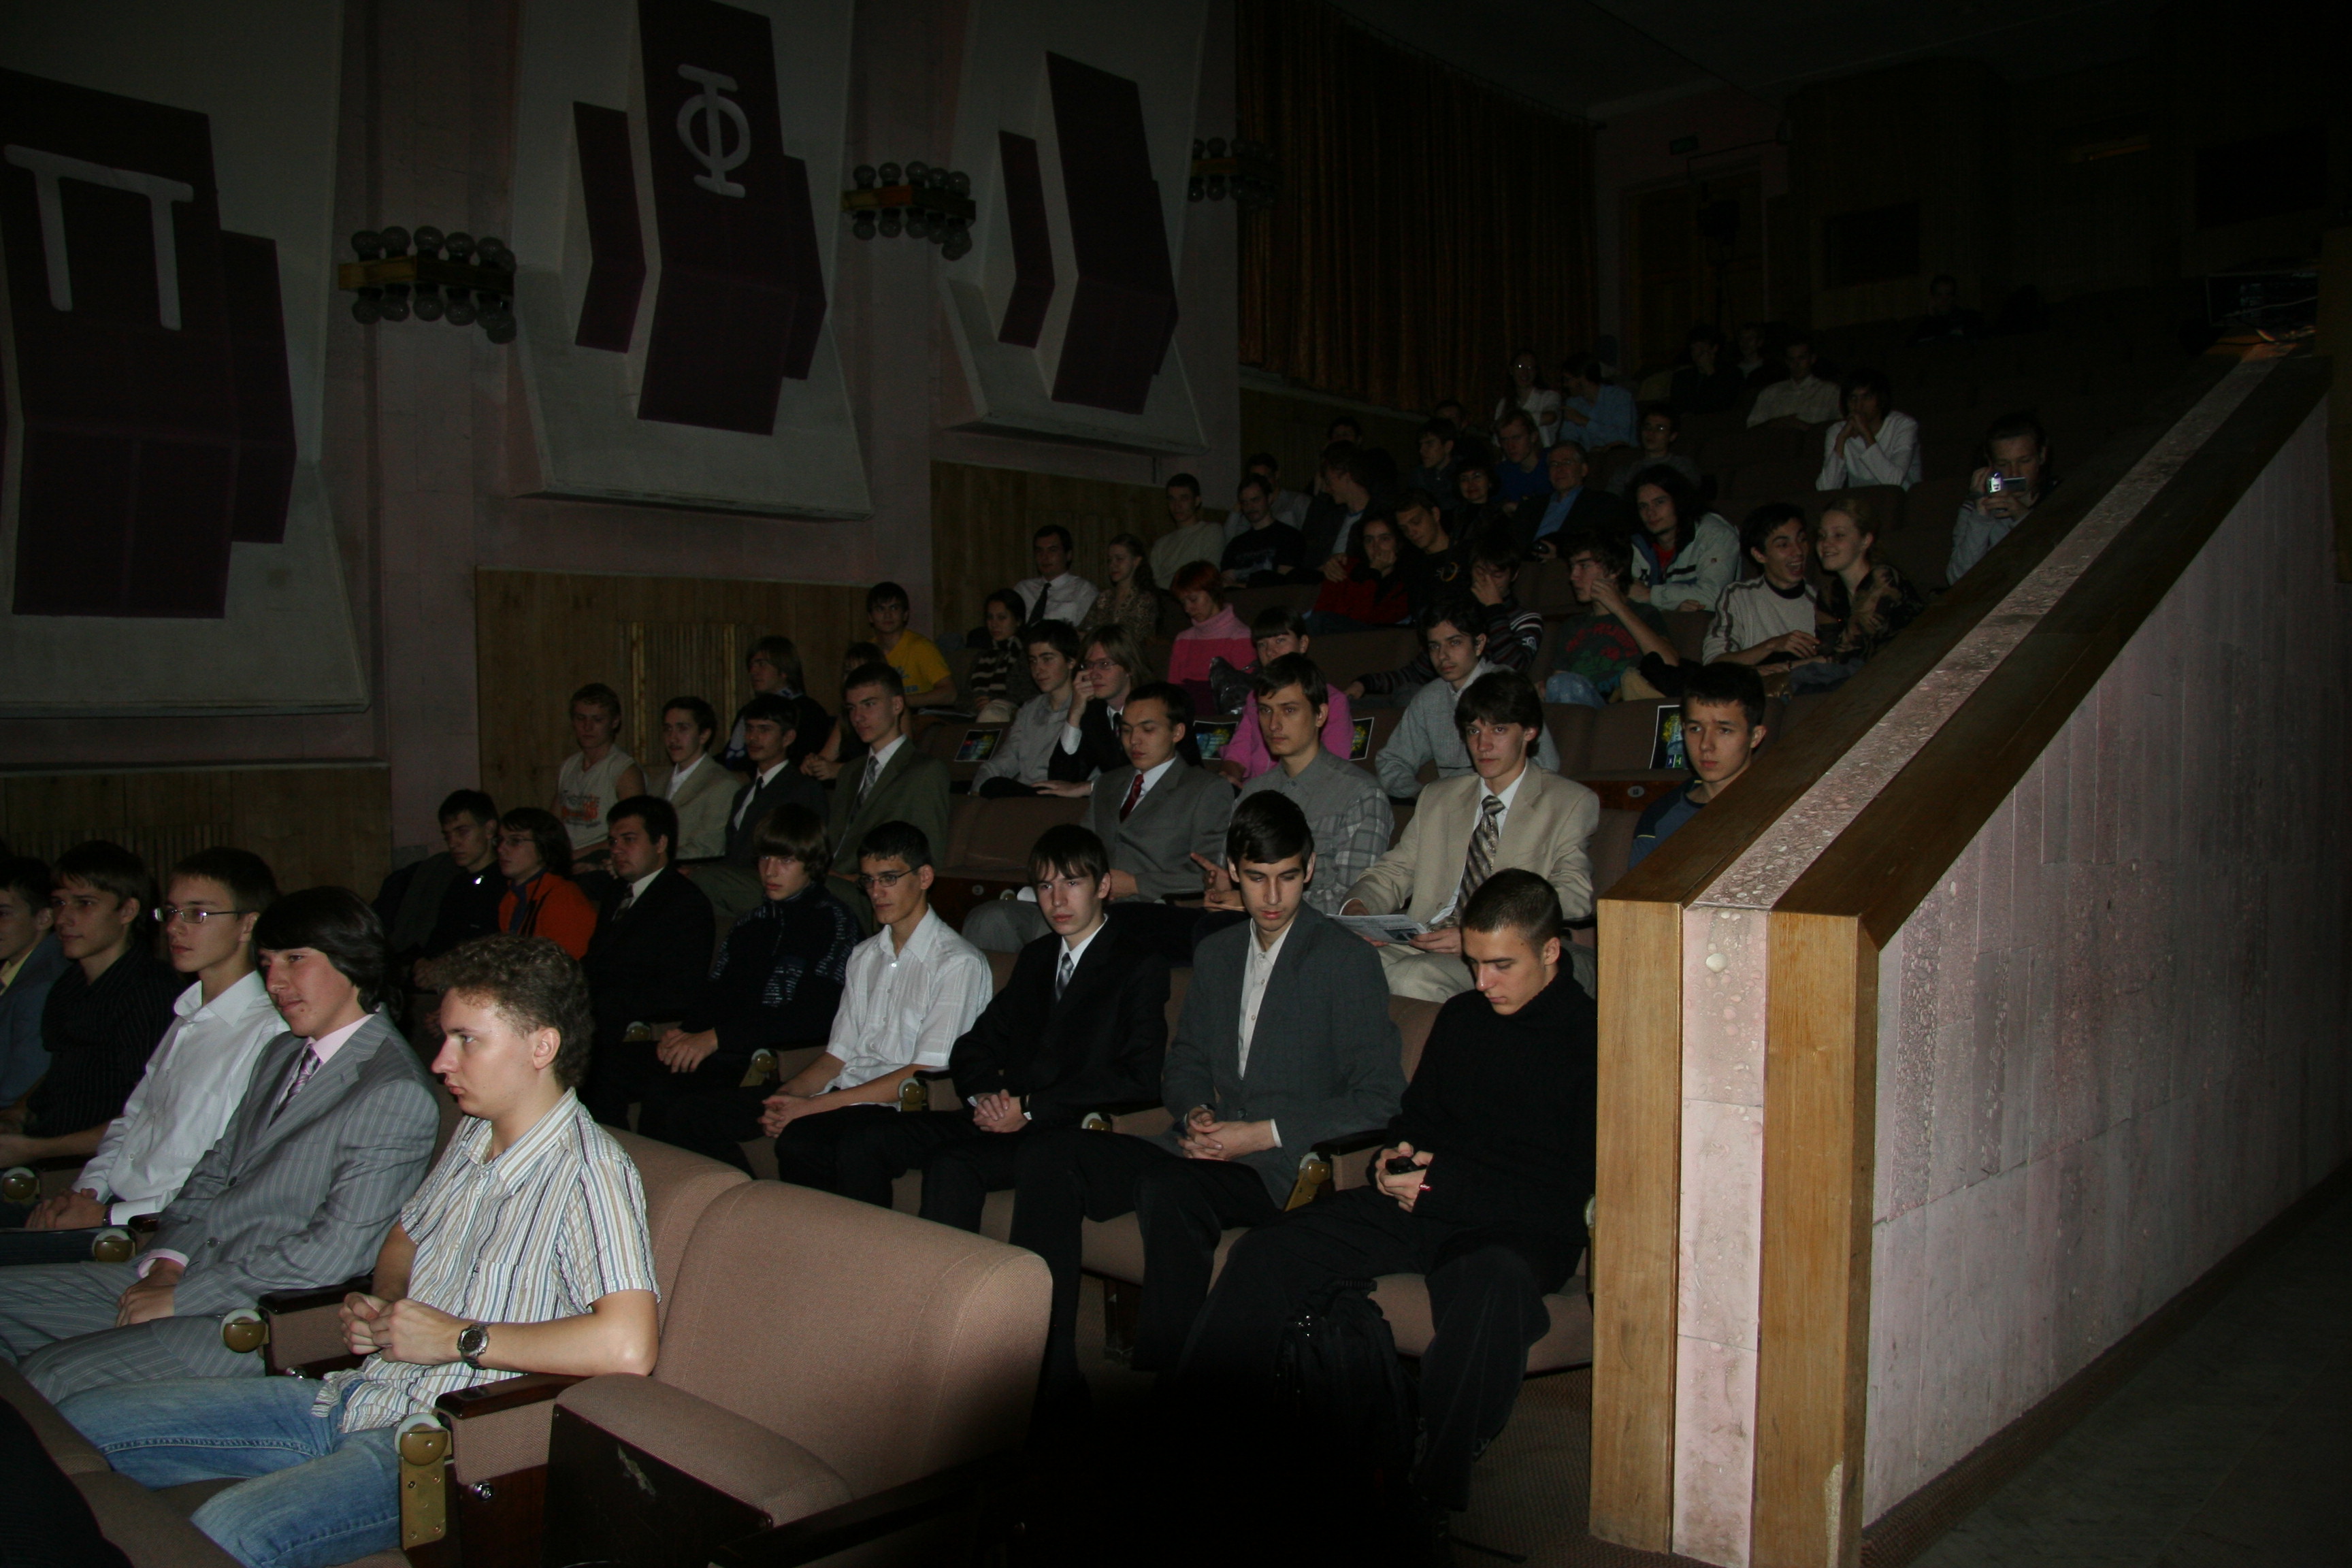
(1403, 1299)
(717, 1447)
(1114, 1248)
(69, 1448)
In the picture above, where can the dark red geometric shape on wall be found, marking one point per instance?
(1123, 309)
(741, 298)
(616, 241)
(265, 397)
(1033, 244)
(131, 430)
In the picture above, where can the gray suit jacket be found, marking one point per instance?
(305, 1201)
(913, 789)
(1325, 1061)
(1183, 814)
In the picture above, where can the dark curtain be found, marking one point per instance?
(1428, 226)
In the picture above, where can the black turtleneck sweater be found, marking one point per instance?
(99, 1034)
(1507, 1105)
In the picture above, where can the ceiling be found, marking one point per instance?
(1600, 57)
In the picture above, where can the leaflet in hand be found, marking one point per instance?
(1383, 928)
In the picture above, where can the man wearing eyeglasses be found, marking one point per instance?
(192, 1082)
(914, 987)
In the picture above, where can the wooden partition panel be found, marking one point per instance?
(541, 635)
(321, 824)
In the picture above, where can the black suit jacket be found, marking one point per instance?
(1102, 1043)
(647, 966)
(1595, 508)
(789, 787)
(1098, 748)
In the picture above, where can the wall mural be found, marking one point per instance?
(676, 177)
(166, 193)
(1078, 137)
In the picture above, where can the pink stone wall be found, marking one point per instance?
(2112, 1042)
(428, 452)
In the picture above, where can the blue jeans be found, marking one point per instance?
(1567, 685)
(316, 1495)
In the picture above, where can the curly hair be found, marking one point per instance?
(531, 983)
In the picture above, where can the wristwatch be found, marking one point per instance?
(472, 1340)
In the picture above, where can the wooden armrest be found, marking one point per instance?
(1353, 1142)
(322, 1366)
(278, 1303)
(506, 1394)
(865, 1519)
(1104, 1117)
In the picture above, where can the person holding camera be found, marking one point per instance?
(2014, 479)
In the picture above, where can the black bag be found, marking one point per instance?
(1337, 1376)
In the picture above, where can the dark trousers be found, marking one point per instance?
(960, 1164)
(40, 1245)
(1487, 1291)
(717, 1123)
(627, 1073)
(1069, 1175)
(809, 1153)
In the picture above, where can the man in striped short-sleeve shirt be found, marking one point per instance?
(525, 1250)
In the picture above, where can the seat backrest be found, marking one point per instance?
(1349, 654)
(1611, 846)
(887, 1346)
(1000, 968)
(1569, 725)
(1623, 736)
(1412, 1018)
(679, 1184)
(1179, 981)
(1687, 628)
(1002, 830)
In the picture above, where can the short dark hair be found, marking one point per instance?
(1866, 380)
(1500, 696)
(1071, 849)
(28, 876)
(1350, 420)
(1462, 613)
(1265, 829)
(1292, 669)
(108, 868)
(1373, 468)
(860, 653)
(705, 717)
(1759, 524)
(1170, 695)
(1517, 899)
(793, 832)
(1493, 550)
(1336, 457)
(659, 816)
(1443, 429)
(343, 927)
(1056, 531)
(1704, 333)
(873, 672)
(1012, 603)
(553, 843)
(781, 653)
(769, 708)
(470, 803)
(1518, 416)
(1412, 498)
(1056, 633)
(895, 841)
(1185, 480)
(1583, 367)
(252, 886)
(1254, 482)
(1265, 460)
(1607, 546)
(530, 983)
(2011, 426)
(601, 694)
(1278, 620)
(1723, 683)
(1666, 411)
(887, 593)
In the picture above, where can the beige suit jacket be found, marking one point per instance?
(702, 810)
(1548, 830)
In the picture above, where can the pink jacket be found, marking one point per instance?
(1221, 635)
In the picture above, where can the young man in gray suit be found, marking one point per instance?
(896, 782)
(1285, 1041)
(334, 1133)
(1162, 817)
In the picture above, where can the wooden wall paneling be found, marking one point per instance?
(2336, 341)
(983, 521)
(1291, 425)
(1812, 1375)
(1637, 1223)
(313, 824)
(541, 635)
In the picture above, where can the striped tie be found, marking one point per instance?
(866, 785)
(1062, 977)
(308, 1065)
(1480, 862)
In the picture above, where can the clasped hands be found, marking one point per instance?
(999, 1112)
(682, 1052)
(1206, 1138)
(67, 1211)
(406, 1330)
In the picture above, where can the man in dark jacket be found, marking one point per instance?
(648, 959)
(1495, 1145)
(1083, 1022)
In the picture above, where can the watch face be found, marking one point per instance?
(472, 1339)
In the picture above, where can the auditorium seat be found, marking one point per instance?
(895, 1352)
(1611, 846)
(1350, 655)
(1688, 630)
(945, 736)
(1247, 602)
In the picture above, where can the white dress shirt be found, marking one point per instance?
(181, 1104)
(1892, 457)
(906, 1008)
(1258, 968)
(1068, 597)
(1507, 795)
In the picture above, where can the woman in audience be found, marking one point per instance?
(1702, 383)
(999, 678)
(1872, 444)
(1130, 599)
(1865, 602)
(1659, 429)
(1684, 555)
(541, 900)
(1370, 593)
(1526, 391)
(1216, 632)
(1479, 509)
